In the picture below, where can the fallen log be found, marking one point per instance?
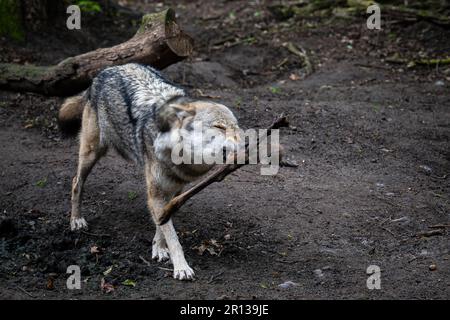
(159, 42)
(173, 205)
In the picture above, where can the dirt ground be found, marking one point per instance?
(371, 139)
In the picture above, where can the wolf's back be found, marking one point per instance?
(122, 94)
(125, 100)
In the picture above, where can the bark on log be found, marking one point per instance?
(159, 42)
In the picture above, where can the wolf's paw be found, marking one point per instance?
(160, 253)
(78, 224)
(185, 273)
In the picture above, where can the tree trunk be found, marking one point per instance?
(158, 42)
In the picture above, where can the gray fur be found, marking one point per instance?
(127, 99)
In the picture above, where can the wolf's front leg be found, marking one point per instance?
(181, 269)
(160, 251)
(160, 191)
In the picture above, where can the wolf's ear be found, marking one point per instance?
(172, 115)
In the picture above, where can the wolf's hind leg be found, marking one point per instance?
(90, 152)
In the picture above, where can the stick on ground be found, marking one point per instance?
(217, 176)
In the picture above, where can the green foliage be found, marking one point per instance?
(10, 20)
(275, 90)
(130, 283)
(132, 195)
(89, 6)
(42, 183)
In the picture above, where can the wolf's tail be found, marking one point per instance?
(70, 114)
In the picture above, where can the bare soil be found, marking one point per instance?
(371, 139)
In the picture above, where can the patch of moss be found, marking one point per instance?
(17, 71)
(11, 20)
(167, 16)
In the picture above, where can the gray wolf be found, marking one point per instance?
(135, 111)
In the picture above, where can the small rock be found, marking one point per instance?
(347, 215)
(439, 83)
(432, 267)
(402, 220)
(318, 273)
(426, 169)
(287, 284)
(379, 185)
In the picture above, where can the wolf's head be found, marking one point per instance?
(196, 133)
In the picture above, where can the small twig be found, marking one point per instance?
(371, 66)
(201, 94)
(439, 226)
(386, 229)
(26, 292)
(283, 62)
(214, 277)
(95, 234)
(211, 17)
(431, 233)
(439, 177)
(145, 261)
(165, 269)
(288, 163)
(287, 262)
(224, 40)
(301, 53)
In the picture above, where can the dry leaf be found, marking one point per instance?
(106, 287)
(50, 284)
(210, 246)
(294, 77)
(95, 250)
(108, 271)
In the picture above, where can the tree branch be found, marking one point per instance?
(158, 42)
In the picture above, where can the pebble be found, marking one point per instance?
(318, 273)
(403, 220)
(426, 169)
(287, 284)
